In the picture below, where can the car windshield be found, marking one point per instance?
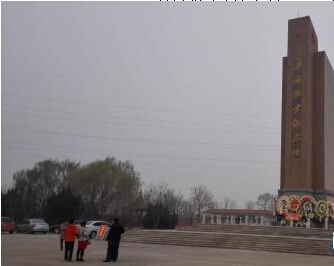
(37, 221)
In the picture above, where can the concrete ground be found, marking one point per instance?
(38, 250)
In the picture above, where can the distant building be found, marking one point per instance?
(238, 216)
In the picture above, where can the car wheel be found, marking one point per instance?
(11, 232)
(44, 233)
(56, 231)
(92, 234)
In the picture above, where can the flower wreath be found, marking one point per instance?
(307, 204)
(283, 205)
(277, 206)
(330, 209)
(310, 215)
(294, 203)
(321, 208)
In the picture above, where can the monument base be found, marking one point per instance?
(318, 194)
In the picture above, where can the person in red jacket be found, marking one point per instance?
(70, 233)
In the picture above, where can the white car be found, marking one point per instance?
(93, 227)
(33, 226)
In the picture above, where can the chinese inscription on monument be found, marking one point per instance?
(296, 135)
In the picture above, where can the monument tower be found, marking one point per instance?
(307, 144)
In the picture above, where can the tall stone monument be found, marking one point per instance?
(307, 144)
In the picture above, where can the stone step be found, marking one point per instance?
(260, 227)
(266, 231)
(319, 251)
(244, 243)
(309, 250)
(253, 229)
(227, 236)
(234, 241)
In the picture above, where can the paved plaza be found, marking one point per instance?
(35, 250)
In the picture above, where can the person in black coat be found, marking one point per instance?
(114, 238)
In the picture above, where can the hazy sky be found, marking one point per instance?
(189, 92)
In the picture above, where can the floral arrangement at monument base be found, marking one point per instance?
(330, 209)
(321, 209)
(307, 204)
(293, 216)
(282, 205)
(310, 215)
(294, 202)
(295, 208)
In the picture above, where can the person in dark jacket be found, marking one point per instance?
(114, 238)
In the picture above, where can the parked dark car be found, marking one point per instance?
(33, 226)
(7, 225)
(55, 228)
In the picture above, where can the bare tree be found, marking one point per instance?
(162, 194)
(201, 199)
(265, 201)
(186, 210)
(228, 203)
(163, 206)
(250, 205)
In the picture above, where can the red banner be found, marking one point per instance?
(102, 231)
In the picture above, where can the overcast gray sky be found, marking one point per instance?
(189, 92)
